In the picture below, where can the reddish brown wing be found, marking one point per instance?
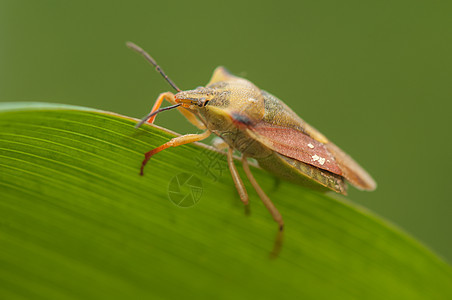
(295, 144)
(352, 171)
(280, 131)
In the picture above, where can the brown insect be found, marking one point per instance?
(262, 127)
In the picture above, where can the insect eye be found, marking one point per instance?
(202, 102)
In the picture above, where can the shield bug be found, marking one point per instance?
(260, 126)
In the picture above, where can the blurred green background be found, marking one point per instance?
(374, 77)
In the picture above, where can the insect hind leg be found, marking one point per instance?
(269, 205)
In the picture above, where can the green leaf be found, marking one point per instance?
(77, 221)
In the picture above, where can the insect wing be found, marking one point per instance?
(286, 133)
(351, 170)
(295, 144)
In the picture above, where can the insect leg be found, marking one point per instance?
(168, 96)
(177, 141)
(238, 181)
(269, 205)
(158, 103)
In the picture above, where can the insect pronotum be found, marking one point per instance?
(262, 127)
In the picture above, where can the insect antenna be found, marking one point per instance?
(147, 117)
(152, 61)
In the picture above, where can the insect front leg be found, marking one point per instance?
(269, 205)
(238, 181)
(177, 141)
(168, 96)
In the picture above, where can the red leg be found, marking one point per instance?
(163, 96)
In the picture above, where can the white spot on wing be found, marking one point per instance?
(321, 160)
(311, 146)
